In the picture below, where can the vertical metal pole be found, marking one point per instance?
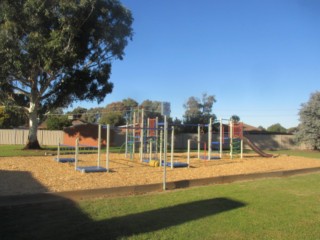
(150, 150)
(165, 153)
(141, 134)
(172, 146)
(189, 152)
(241, 148)
(161, 144)
(126, 146)
(99, 145)
(221, 137)
(58, 149)
(76, 154)
(199, 140)
(157, 133)
(231, 139)
(209, 139)
(134, 135)
(108, 147)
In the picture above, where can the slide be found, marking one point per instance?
(256, 148)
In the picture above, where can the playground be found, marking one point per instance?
(149, 157)
(52, 176)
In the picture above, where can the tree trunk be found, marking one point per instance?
(33, 128)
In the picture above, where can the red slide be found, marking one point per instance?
(256, 148)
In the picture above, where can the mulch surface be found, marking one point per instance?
(32, 175)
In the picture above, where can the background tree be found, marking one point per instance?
(112, 118)
(92, 115)
(11, 117)
(277, 128)
(198, 111)
(56, 52)
(129, 104)
(115, 113)
(78, 112)
(292, 130)
(235, 118)
(309, 127)
(58, 122)
(4, 117)
(152, 109)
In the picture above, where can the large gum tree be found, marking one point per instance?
(55, 52)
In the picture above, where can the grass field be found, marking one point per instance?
(287, 208)
(267, 209)
(17, 150)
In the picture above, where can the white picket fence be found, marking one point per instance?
(20, 136)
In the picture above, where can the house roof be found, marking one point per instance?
(249, 128)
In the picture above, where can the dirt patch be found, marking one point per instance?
(22, 175)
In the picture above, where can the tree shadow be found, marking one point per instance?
(54, 217)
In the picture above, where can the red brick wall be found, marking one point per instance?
(87, 134)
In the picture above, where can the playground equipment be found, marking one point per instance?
(148, 135)
(98, 168)
(65, 148)
(70, 150)
(256, 148)
(229, 135)
(141, 134)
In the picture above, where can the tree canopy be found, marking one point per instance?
(235, 118)
(198, 111)
(277, 128)
(56, 52)
(309, 127)
(11, 117)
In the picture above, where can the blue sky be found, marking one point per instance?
(259, 58)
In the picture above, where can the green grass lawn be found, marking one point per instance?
(17, 150)
(301, 153)
(287, 208)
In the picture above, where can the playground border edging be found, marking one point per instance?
(78, 195)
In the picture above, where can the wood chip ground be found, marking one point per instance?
(23, 175)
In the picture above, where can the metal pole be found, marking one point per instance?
(199, 140)
(161, 143)
(221, 137)
(209, 139)
(126, 147)
(150, 150)
(172, 145)
(231, 140)
(189, 152)
(108, 147)
(241, 153)
(156, 131)
(99, 144)
(141, 134)
(165, 153)
(134, 135)
(76, 154)
(58, 149)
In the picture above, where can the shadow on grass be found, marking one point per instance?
(63, 219)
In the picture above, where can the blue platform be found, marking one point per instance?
(64, 160)
(91, 169)
(175, 164)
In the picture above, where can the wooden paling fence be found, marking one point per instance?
(20, 136)
(51, 137)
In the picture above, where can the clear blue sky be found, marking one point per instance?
(259, 58)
